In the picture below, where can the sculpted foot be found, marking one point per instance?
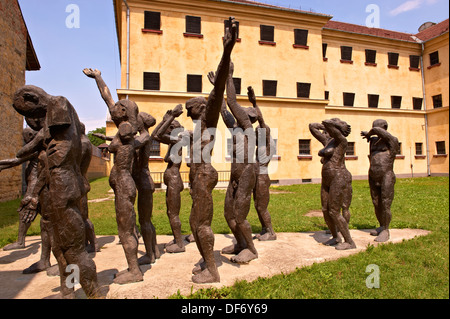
(205, 277)
(199, 268)
(244, 257)
(127, 277)
(174, 248)
(14, 246)
(36, 267)
(345, 246)
(376, 232)
(146, 260)
(232, 250)
(333, 241)
(383, 236)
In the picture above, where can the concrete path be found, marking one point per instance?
(172, 272)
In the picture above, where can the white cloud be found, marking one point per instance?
(406, 6)
(411, 5)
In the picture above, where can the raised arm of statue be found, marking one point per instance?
(13, 162)
(35, 145)
(160, 132)
(389, 139)
(103, 136)
(318, 131)
(238, 111)
(103, 88)
(216, 96)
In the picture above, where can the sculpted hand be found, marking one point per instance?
(178, 110)
(212, 77)
(251, 95)
(230, 37)
(365, 134)
(28, 207)
(92, 73)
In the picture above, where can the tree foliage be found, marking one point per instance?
(95, 140)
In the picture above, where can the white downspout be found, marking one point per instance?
(426, 115)
(128, 45)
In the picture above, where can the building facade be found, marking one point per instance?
(16, 55)
(304, 68)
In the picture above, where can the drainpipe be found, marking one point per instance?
(426, 115)
(128, 45)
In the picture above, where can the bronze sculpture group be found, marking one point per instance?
(59, 155)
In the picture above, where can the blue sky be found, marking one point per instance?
(63, 52)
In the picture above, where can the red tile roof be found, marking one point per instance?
(434, 31)
(383, 33)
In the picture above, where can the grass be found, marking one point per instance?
(417, 268)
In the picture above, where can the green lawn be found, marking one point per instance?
(413, 269)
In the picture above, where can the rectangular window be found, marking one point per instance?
(414, 61)
(434, 58)
(349, 99)
(400, 148)
(327, 95)
(227, 25)
(304, 147)
(346, 53)
(193, 25)
(237, 85)
(324, 50)
(417, 103)
(396, 102)
(194, 83)
(267, 33)
(393, 58)
(437, 101)
(371, 57)
(440, 148)
(350, 149)
(301, 37)
(419, 149)
(269, 88)
(155, 149)
(303, 89)
(373, 100)
(152, 20)
(151, 81)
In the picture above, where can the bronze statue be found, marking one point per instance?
(61, 137)
(242, 177)
(202, 176)
(264, 153)
(125, 110)
(336, 190)
(164, 133)
(383, 149)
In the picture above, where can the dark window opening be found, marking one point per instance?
(373, 100)
(304, 147)
(396, 102)
(346, 53)
(393, 58)
(152, 20)
(349, 99)
(350, 149)
(269, 88)
(303, 89)
(440, 148)
(237, 85)
(437, 101)
(155, 149)
(267, 33)
(434, 58)
(324, 50)
(414, 61)
(151, 81)
(417, 103)
(194, 83)
(193, 25)
(371, 56)
(301, 37)
(419, 150)
(327, 95)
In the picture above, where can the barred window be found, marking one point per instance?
(151, 81)
(152, 20)
(304, 147)
(417, 103)
(155, 149)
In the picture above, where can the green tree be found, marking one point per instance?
(95, 140)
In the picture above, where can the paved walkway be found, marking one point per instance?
(172, 272)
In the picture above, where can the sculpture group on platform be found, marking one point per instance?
(59, 153)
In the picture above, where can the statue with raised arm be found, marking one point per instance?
(61, 138)
(336, 190)
(125, 110)
(383, 149)
(242, 177)
(167, 132)
(264, 153)
(202, 176)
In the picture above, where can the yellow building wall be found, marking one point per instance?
(174, 56)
